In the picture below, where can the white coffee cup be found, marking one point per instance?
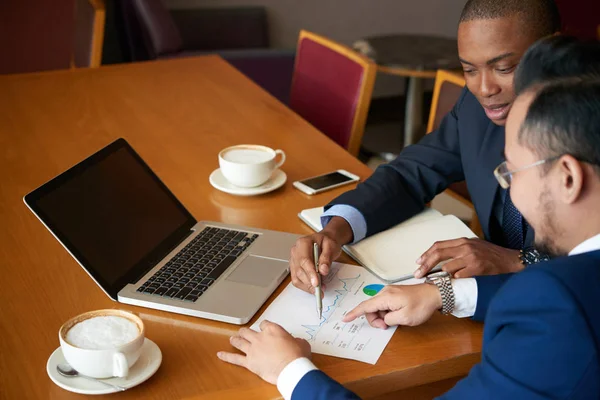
(102, 363)
(249, 165)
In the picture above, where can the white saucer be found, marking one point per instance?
(143, 369)
(276, 181)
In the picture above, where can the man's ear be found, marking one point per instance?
(572, 178)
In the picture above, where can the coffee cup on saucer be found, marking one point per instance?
(103, 343)
(249, 165)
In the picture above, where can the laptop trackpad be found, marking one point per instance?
(258, 271)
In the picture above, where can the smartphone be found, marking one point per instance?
(321, 183)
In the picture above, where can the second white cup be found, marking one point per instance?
(249, 165)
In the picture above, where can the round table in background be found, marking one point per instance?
(416, 57)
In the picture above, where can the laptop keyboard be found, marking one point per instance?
(191, 271)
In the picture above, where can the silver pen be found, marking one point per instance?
(318, 288)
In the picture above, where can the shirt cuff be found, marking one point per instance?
(357, 221)
(465, 297)
(291, 375)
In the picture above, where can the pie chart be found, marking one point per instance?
(372, 290)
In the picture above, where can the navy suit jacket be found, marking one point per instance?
(541, 338)
(467, 146)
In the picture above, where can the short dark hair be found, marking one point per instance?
(564, 118)
(540, 16)
(557, 57)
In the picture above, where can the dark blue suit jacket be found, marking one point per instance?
(467, 146)
(541, 338)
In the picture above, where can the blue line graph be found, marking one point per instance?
(347, 284)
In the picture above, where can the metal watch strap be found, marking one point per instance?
(446, 291)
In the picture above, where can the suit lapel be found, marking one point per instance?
(494, 139)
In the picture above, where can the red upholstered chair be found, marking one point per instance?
(331, 89)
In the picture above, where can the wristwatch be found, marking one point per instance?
(444, 284)
(530, 255)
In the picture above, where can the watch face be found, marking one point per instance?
(437, 275)
(532, 256)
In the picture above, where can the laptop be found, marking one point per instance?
(142, 247)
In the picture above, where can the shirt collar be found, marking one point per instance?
(590, 244)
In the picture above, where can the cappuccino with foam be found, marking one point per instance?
(102, 332)
(103, 343)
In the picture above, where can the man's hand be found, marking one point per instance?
(267, 352)
(330, 240)
(469, 257)
(399, 305)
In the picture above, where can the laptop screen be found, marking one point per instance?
(113, 214)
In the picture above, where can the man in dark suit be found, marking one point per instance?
(542, 333)
(492, 37)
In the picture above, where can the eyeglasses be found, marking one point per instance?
(504, 176)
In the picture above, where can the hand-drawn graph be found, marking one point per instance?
(295, 310)
(333, 298)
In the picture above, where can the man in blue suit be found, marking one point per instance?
(492, 37)
(542, 326)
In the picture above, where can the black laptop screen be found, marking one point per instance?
(113, 214)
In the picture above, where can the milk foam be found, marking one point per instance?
(247, 156)
(104, 332)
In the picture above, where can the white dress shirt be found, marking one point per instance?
(465, 293)
(591, 244)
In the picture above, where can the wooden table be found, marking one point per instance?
(177, 114)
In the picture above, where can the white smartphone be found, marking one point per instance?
(321, 183)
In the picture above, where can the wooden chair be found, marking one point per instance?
(331, 88)
(90, 16)
(446, 91)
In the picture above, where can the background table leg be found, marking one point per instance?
(413, 118)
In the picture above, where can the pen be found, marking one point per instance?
(318, 288)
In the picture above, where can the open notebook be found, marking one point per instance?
(391, 254)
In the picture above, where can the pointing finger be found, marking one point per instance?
(377, 303)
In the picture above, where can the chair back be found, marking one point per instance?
(151, 31)
(446, 92)
(331, 88)
(90, 16)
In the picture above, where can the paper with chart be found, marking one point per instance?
(346, 286)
